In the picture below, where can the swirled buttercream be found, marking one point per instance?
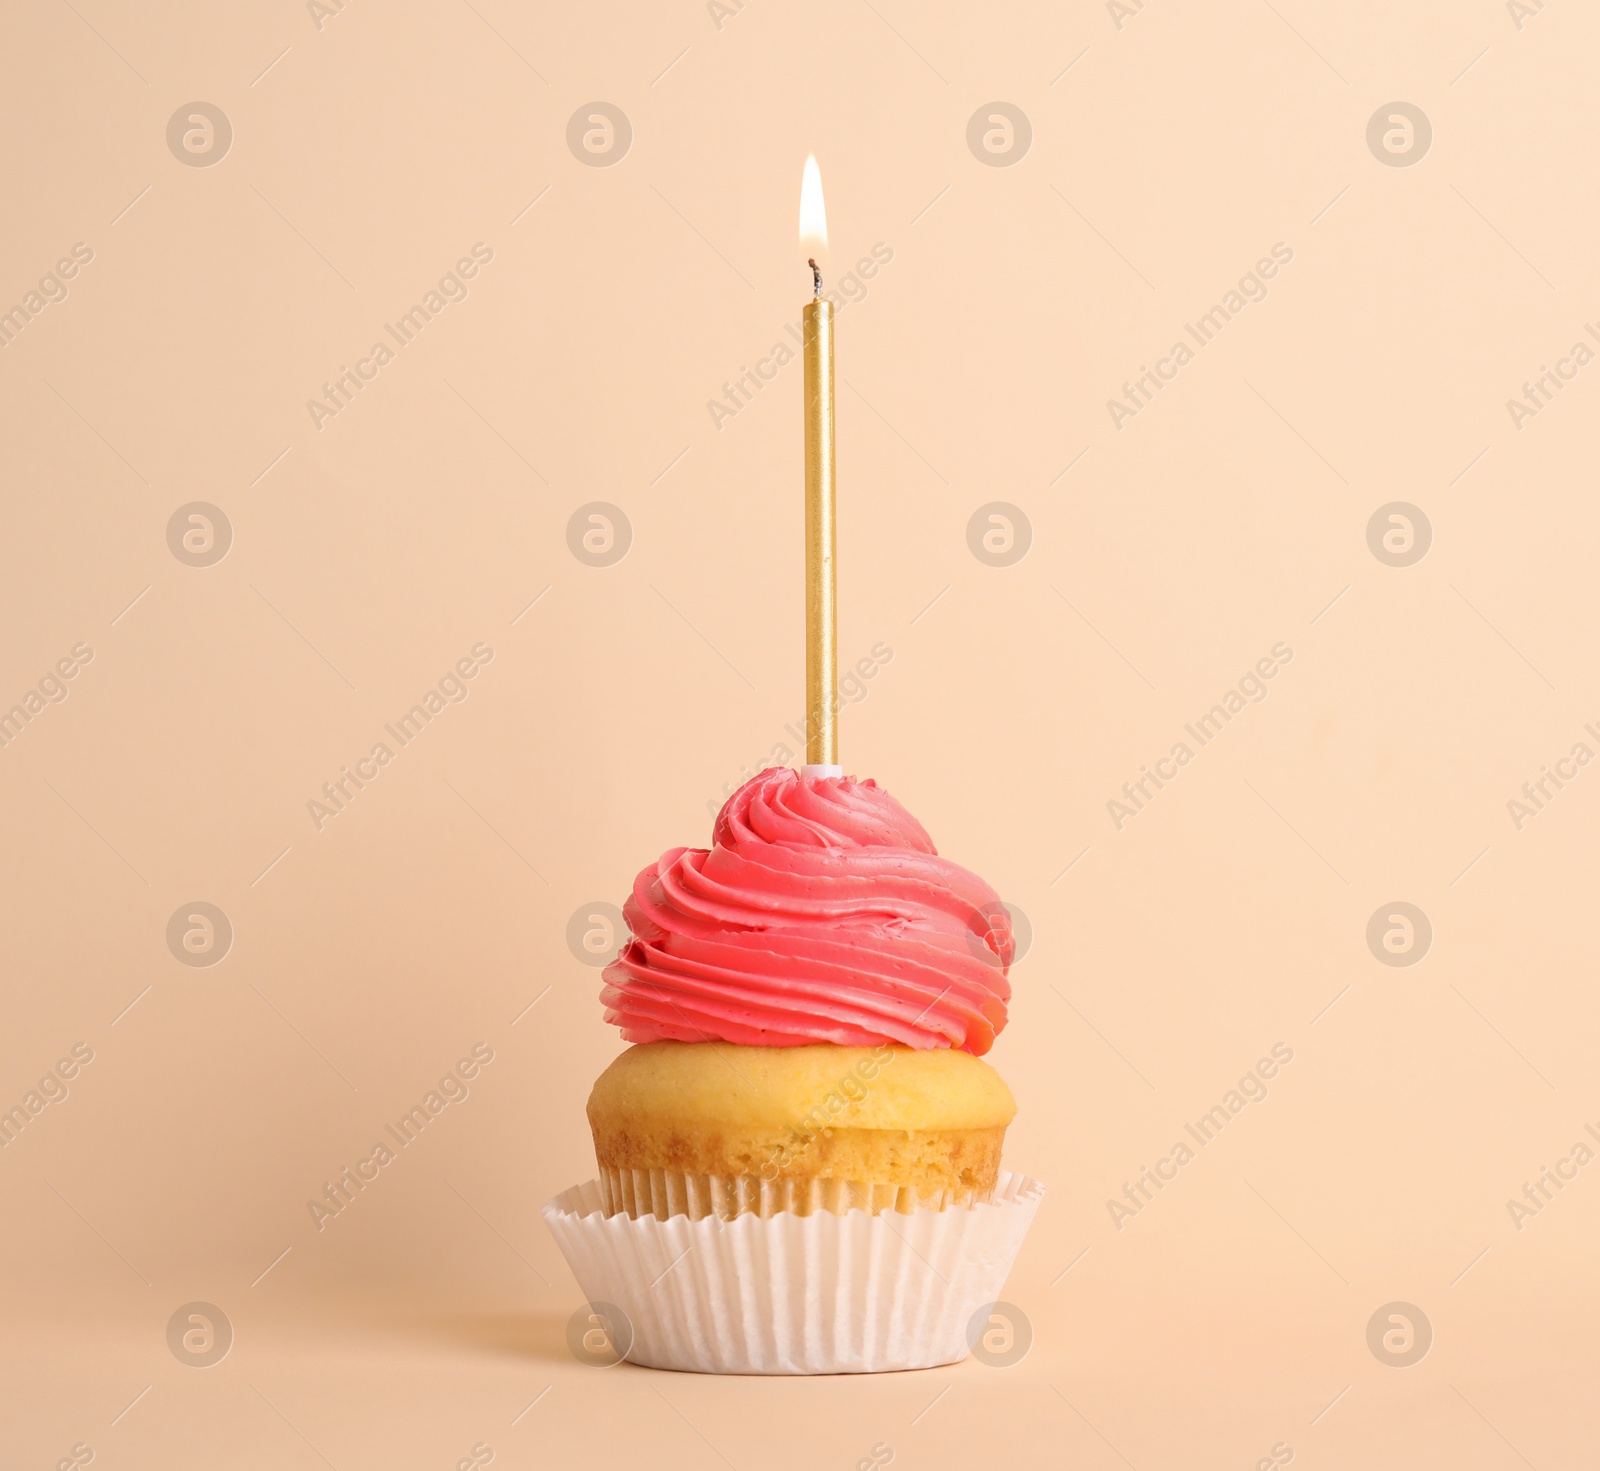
(821, 913)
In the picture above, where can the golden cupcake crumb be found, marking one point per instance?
(929, 1122)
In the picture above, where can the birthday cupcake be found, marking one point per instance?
(809, 1001)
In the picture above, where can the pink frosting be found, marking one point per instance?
(821, 913)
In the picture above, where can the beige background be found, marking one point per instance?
(1168, 155)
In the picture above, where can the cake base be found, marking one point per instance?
(928, 1125)
(664, 1193)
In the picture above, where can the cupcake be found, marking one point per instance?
(809, 1002)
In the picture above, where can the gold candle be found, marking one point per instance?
(822, 729)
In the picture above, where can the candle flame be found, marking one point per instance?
(813, 212)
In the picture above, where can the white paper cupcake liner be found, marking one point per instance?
(824, 1293)
(664, 1193)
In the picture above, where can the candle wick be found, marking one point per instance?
(816, 278)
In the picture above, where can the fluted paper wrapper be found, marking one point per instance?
(825, 1293)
